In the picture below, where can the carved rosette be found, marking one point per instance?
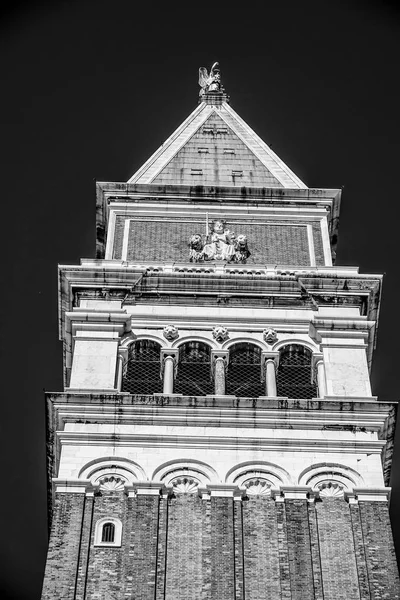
(257, 486)
(170, 333)
(220, 333)
(112, 483)
(330, 489)
(270, 336)
(185, 485)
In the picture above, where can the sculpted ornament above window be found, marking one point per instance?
(221, 244)
(170, 333)
(220, 333)
(270, 335)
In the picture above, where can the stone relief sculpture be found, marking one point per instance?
(222, 244)
(170, 333)
(210, 82)
(220, 333)
(270, 335)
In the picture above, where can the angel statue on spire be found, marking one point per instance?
(210, 82)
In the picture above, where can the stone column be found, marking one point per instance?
(169, 360)
(122, 359)
(319, 366)
(219, 361)
(269, 364)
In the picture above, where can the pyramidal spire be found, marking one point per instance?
(215, 147)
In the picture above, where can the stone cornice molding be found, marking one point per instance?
(284, 444)
(74, 486)
(83, 320)
(378, 494)
(145, 488)
(327, 331)
(223, 490)
(295, 492)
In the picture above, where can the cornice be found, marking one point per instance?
(221, 442)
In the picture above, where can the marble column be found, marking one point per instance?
(270, 361)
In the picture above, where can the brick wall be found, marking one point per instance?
(379, 551)
(63, 552)
(187, 548)
(261, 551)
(159, 239)
(339, 570)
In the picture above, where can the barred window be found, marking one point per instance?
(194, 370)
(294, 377)
(108, 532)
(142, 371)
(244, 376)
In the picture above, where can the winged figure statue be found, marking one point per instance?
(210, 82)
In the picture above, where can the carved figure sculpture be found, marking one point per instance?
(242, 251)
(170, 333)
(270, 335)
(222, 243)
(210, 82)
(196, 245)
(220, 333)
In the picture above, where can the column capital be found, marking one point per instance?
(316, 358)
(224, 354)
(172, 352)
(270, 355)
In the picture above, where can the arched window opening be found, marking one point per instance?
(295, 377)
(142, 369)
(244, 371)
(194, 370)
(108, 533)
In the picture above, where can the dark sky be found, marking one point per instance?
(91, 89)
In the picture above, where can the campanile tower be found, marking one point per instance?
(217, 437)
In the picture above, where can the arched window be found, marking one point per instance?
(194, 370)
(294, 377)
(108, 532)
(142, 371)
(244, 371)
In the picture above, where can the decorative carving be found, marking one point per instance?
(242, 251)
(270, 335)
(111, 483)
(196, 246)
(330, 489)
(185, 485)
(222, 244)
(170, 333)
(257, 486)
(210, 82)
(220, 334)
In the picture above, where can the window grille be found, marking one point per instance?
(194, 370)
(142, 371)
(244, 371)
(294, 377)
(108, 532)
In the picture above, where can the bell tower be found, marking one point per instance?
(217, 436)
